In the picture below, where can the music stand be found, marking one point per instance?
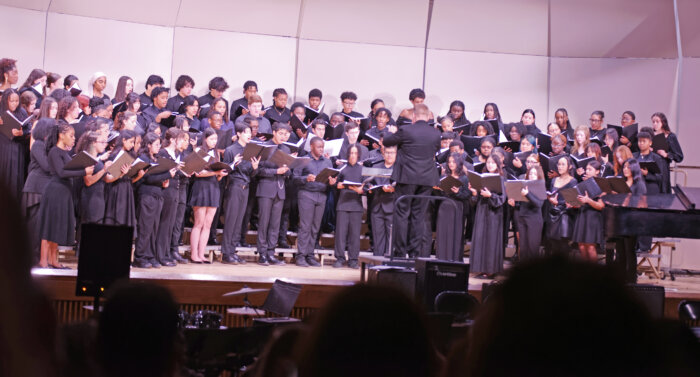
(280, 301)
(105, 257)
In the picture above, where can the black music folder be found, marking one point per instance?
(490, 181)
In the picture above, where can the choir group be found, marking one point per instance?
(156, 162)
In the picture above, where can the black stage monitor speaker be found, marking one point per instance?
(105, 257)
(401, 278)
(435, 276)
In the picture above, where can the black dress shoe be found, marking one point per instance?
(301, 261)
(213, 242)
(206, 261)
(141, 264)
(239, 259)
(245, 244)
(353, 264)
(229, 259)
(272, 260)
(283, 245)
(339, 263)
(155, 264)
(169, 264)
(312, 261)
(179, 259)
(262, 260)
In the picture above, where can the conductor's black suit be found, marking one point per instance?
(415, 174)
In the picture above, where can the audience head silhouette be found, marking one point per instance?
(368, 331)
(27, 321)
(553, 317)
(137, 334)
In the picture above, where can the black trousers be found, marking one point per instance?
(381, 229)
(179, 220)
(150, 207)
(284, 219)
(426, 238)
(347, 234)
(269, 214)
(165, 227)
(290, 212)
(408, 235)
(368, 220)
(251, 212)
(236, 199)
(311, 206)
(328, 222)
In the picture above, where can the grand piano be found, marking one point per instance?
(662, 215)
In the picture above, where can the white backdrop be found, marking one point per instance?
(540, 54)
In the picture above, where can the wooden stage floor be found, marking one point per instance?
(197, 286)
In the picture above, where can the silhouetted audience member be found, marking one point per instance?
(137, 334)
(76, 349)
(27, 320)
(277, 359)
(680, 348)
(368, 331)
(553, 317)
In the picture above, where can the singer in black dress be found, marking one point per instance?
(558, 220)
(205, 197)
(674, 153)
(625, 246)
(588, 227)
(13, 152)
(92, 193)
(37, 180)
(488, 244)
(56, 212)
(450, 219)
(528, 217)
(120, 205)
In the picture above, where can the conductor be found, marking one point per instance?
(415, 174)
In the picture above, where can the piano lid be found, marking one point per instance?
(689, 196)
(669, 202)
